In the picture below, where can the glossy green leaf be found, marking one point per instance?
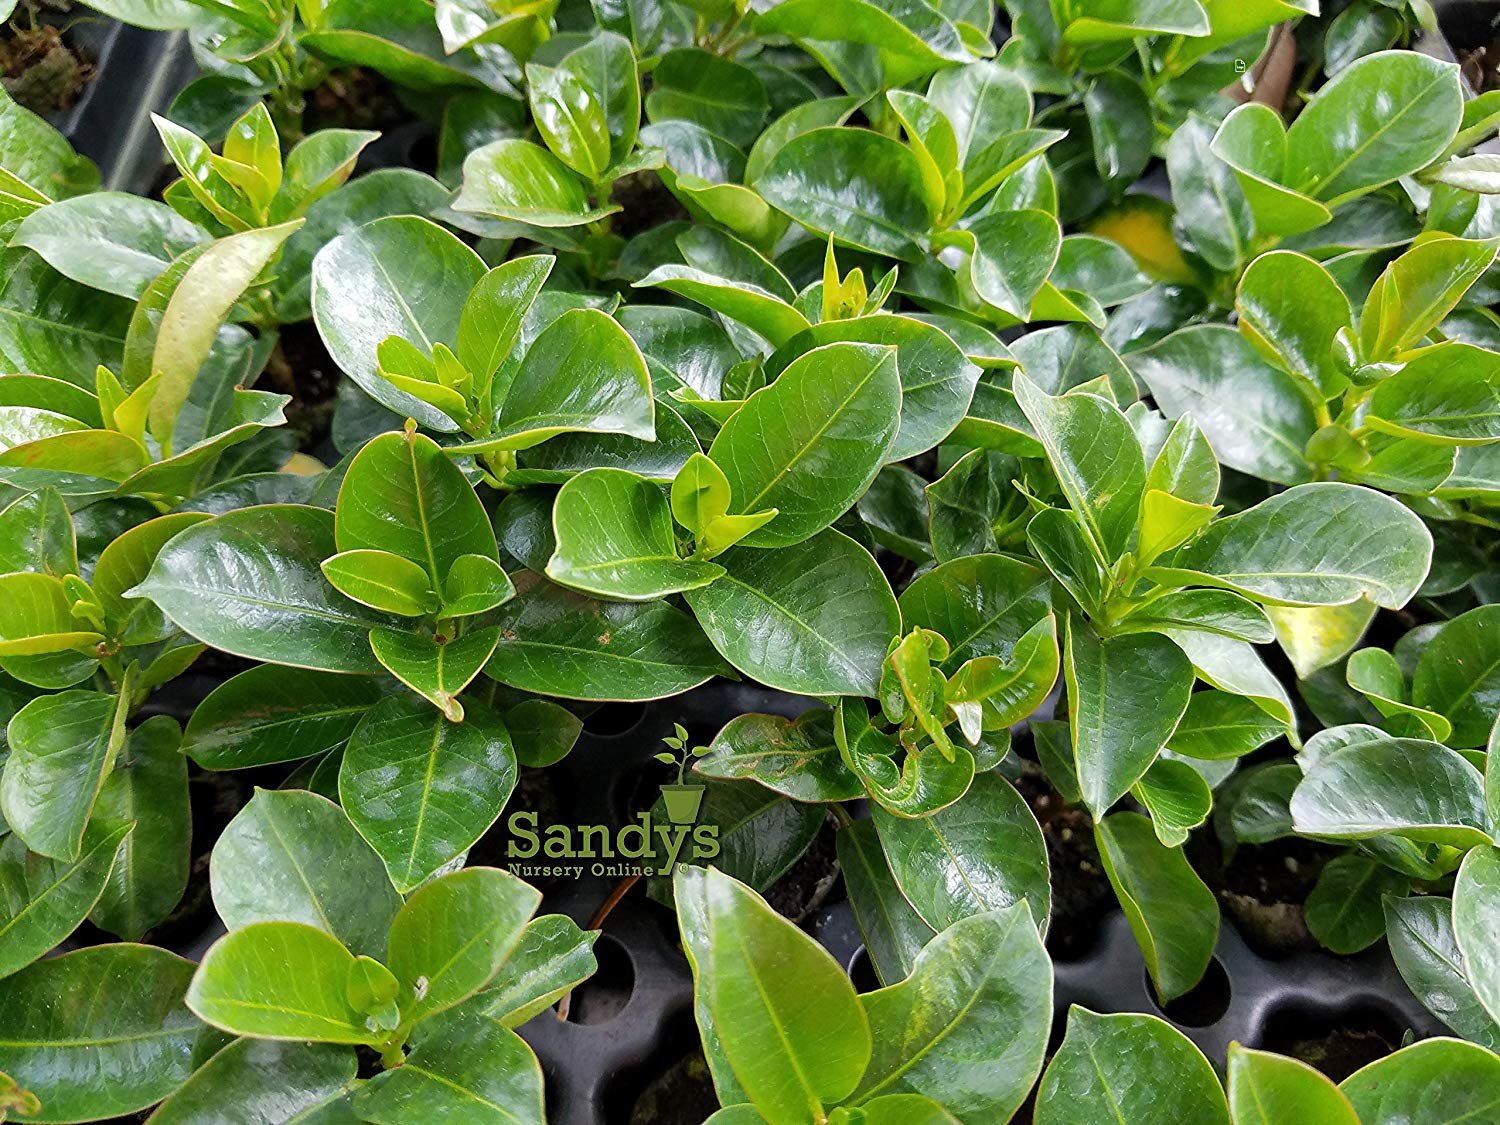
(797, 758)
(1476, 906)
(1218, 726)
(1292, 310)
(1097, 459)
(149, 789)
(1255, 414)
(1381, 118)
(1458, 674)
(421, 788)
(894, 933)
(1447, 394)
(232, 992)
(437, 668)
(469, 1069)
(557, 642)
(452, 936)
(1343, 910)
(522, 182)
(265, 1081)
(1416, 291)
(784, 1014)
(1177, 797)
(398, 276)
(1405, 786)
(271, 714)
(966, 1028)
(1127, 1066)
(809, 444)
(615, 539)
(815, 618)
(250, 583)
(553, 956)
(1265, 1089)
(864, 189)
(1126, 696)
(99, 1032)
(1440, 1081)
(1316, 544)
(43, 900)
(1174, 917)
(569, 118)
(986, 850)
(1420, 932)
(62, 748)
(293, 856)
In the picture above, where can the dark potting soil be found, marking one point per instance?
(1081, 894)
(301, 367)
(646, 203)
(1262, 888)
(1336, 1043)
(39, 66)
(354, 98)
(215, 799)
(808, 883)
(683, 1094)
(534, 793)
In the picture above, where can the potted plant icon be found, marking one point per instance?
(682, 800)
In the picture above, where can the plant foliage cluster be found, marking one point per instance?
(835, 345)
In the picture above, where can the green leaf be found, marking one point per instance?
(250, 583)
(1127, 1067)
(762, 310)
(293, 856)
(1257, 416)
(557, 642)
(615, 539)
(1476, 908)
(397, 276)
(937, 379)
(783, 1012)
(809, 444)
(1218, 726)
(230, 992)
(1174, 917)
(1265, 1089)
(1416, 292)
(62, 748)
(1210, 204)
(420, 788)
(967, 1027)
(108, 240)
(1381, 118)
(1458, 674)
(1343, 910)
(198, 308)
(984, 852)
(894, 933)
(100, 1032)
(1097, 458)
(1126, 695)
(383, 581)
(49, 324)
(1314, 637)
(554, 955)
(1403, 786)
(797, 758)
(43, 900)
(470, 1069)
(1425, 948)
(814, 618)
(1292, 310)
(1176, 796)
(265, 1081)
(864, 189)
(39, 639)
(1441, 1081)
(148, 789)
(606, 66)
(582, 373)
(124, 563)
(1447, 394)
(1316, 544)
(452, 936)
(402, 494)
(436, 668)
(569, 118)
(725, 97)
(495, 311)
(272, 714)
(1011, 254)
(522, 182)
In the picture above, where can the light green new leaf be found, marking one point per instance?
(1269, 1089)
